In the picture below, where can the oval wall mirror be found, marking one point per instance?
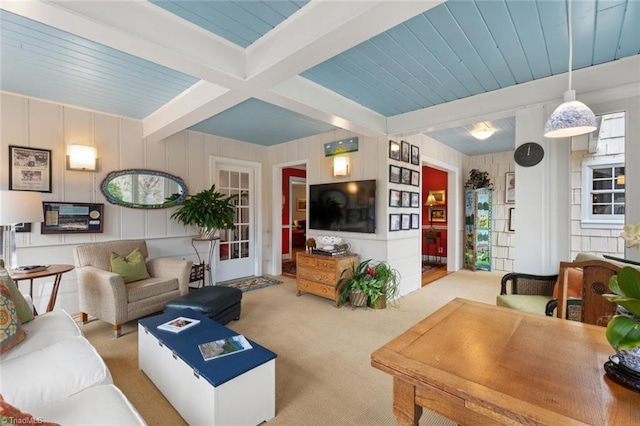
(143, 189)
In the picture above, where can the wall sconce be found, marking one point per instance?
(341, 166)
(82, 158)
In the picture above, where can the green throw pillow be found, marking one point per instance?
(132, 268)
(11, 331)
(25, 313)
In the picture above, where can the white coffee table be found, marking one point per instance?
(237, 389)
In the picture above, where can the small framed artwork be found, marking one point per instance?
(510, 188)
(415, 221)
(29, 169)
(406, 154)
(394, 222)
(406, 221)
(301, 204)
(394, 150)
(405, 199)
(415, 178)
(440, 196)
(405, 176)
(415, 199)
(394, 174)
(438, 214)
(415, 155)
(23, 227)
(394, 198)
(72, 218)
(512, 225)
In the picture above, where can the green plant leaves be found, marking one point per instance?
(626, 286)
(623, 332)
(207, 209)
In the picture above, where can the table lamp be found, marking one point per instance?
(431, 200)
(16, 207)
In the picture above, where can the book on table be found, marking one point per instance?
(179, 324)
(30, 268)
(223, 347)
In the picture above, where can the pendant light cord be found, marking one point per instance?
(570, 42)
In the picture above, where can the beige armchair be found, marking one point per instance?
(104, 294)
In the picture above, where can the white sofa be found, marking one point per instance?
(56, 375)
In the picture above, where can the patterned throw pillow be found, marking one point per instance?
(11, 331)
(10, 415)
(131, 268)
(25, 313)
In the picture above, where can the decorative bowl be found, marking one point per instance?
(328, 240)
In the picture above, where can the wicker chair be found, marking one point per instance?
(531, 293)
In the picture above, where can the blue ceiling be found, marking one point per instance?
(453, 51)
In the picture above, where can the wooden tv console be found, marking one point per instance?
(319, 274)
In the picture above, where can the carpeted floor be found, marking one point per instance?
(250, 283)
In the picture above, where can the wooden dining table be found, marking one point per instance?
(480, 364)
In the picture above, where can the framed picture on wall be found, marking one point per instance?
(394, 198)
(415, 155)
(415, 178)
(23, 227)
(405, 176)
(440, 196)
(415, 221)
(394, 150)
(438, 214)
(406, 221)
(394, 174)
(72, 218)
(406, 154)
(406, 199)
(510, 188)
(29, 169)
(301, 204)
(415, 199)
(512, 225)
(394, 222)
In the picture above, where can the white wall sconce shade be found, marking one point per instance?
(82, 158)
(483, 133)
(341, 166)
(571, 118)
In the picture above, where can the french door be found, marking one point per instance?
(236, 254)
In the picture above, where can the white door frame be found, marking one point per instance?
(214, 163)
(454, 208)
(275, 268)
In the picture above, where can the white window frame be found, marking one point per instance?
(588, 219)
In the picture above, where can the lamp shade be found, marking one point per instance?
(341, 166)
(571, 118)
(82, 157)
(20, 206)
(431, 200)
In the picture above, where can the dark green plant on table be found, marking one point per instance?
(478, 179)
(377, 280)
(209, 210)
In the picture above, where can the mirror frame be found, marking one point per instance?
(118, 173)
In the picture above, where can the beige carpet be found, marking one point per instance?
(323, 370)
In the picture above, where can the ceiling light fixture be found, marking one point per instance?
(571, 118)
(483, 133)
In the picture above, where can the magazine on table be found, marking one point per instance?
(224, 347)
(179, 324)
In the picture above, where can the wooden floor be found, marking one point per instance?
(434, 274)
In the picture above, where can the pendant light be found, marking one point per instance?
(571, 118)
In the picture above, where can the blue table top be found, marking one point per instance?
(185, 345)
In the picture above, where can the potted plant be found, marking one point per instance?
(623, 331)
(478, 179)
(209, 210)
(369, 281)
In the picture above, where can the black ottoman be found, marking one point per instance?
(221, 304)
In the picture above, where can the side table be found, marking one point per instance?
(198, 269)
(52, 270)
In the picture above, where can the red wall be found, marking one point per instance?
(433, 180)
(286, 175)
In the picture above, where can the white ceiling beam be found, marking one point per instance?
(505, 102)
(322, 30)
(199, 102)
(309, 98)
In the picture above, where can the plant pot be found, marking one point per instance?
(381, 303)
(357, 298)
(630, 358)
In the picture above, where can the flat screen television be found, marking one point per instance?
(343, 206)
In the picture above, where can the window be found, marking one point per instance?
(603, 194)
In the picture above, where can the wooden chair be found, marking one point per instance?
(594, 309)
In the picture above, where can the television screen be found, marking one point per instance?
(343, 206)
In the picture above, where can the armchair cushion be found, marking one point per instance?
(11, 330)
(574, 286)
(23, 308)
(131, 267)
(532, 303)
